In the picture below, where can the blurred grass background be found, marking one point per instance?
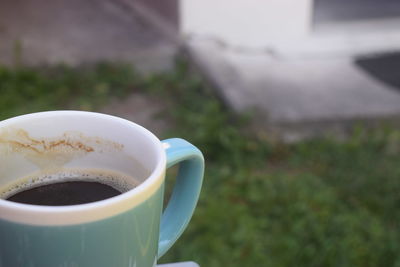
(321, 202)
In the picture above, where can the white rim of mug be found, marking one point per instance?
(89, 212)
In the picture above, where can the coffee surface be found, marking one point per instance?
(65, 193)
(68, 187)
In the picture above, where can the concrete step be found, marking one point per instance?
(296, 98)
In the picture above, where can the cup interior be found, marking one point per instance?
(50, 142)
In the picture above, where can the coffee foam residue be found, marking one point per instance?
(53, 152)
(119, 181)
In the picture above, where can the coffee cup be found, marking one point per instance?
(46, 152)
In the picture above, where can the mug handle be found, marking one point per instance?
(182, 203)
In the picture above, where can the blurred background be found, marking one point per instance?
(295, 104)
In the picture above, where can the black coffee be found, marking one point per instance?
(65, 193)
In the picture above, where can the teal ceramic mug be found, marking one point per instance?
(130, 229)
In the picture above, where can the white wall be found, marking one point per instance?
(246, 23)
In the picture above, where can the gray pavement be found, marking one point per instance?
(142, 109)
(75, 32)
(298, 98)
(329, 11)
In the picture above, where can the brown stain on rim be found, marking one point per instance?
(20, 140)
(52, 151)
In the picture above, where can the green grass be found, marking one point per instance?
(25, 90)
(321, 202)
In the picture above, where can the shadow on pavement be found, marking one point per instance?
(384, 67)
